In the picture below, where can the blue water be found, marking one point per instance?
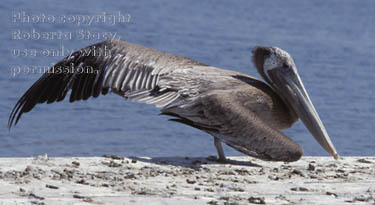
(332, 42)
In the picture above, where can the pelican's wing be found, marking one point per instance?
(127, 69)
(227, 119)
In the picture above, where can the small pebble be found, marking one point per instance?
(213, 202)
(225, 198)
(190, 181)
(331, 194)
(35, 196)
(311, 167)
(364, 161)
(75, 163)
(256, 200)
(362, 198)
(299, 189)
(51, 186)
(273, 177)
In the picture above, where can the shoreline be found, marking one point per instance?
(179, 180)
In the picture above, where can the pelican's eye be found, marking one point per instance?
(287, 67)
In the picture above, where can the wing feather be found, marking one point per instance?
(112, 65)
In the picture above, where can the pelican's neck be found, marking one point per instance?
(293, 117)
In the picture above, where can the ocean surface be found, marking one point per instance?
(332, 43)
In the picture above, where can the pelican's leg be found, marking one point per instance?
(220, 150)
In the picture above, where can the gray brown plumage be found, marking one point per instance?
(235, 108)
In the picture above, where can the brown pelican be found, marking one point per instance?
(234, 108)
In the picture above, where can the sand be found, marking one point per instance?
(179, 180)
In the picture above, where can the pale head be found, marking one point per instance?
(278, 58)
(267, 59)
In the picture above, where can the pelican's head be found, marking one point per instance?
(277, 68)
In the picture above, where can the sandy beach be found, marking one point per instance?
(179, 180)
